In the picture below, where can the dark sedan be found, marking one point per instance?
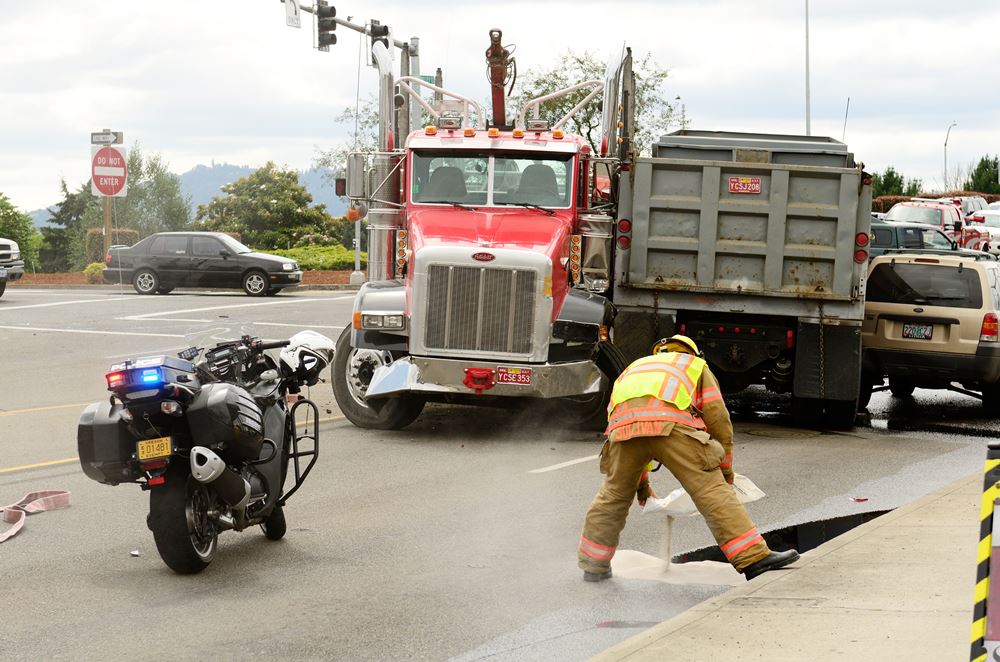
(163, 261)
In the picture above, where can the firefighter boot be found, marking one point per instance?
(772, 561)
(596, 576)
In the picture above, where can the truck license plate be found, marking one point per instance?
(511, 375)
(150, 449)
(744, 184)
(918, 331)
(3, 272)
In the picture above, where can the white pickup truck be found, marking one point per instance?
(11, 264)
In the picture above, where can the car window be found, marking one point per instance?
(205, 246)
(928, 215)
(930, 285)
(169, 245)
(881, 238)
(912, 238)
(936, 239)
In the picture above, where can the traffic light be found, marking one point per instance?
(379, 33)
(325, 25)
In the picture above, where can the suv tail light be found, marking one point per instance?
(107, 258)
(988, 332)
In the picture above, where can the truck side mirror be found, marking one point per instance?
(958, 226)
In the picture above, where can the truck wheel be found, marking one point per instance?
(146, 281)
(255, 283)
(592, 413)
(901, 387)
(352, 373)
(185, 536)
(3, 286)
(991, 400)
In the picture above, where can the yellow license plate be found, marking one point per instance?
(150, 449)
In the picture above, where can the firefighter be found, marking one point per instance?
(668, 408)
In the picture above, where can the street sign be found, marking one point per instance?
(106, 138)
(108, 171)
(293, 17)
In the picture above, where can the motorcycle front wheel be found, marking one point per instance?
(185, 536)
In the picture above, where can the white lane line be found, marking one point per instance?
(254, 323)
(77, 302)
(139, 318)
(90, 332)
(563, 465)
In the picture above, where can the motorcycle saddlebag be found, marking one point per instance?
(105, 445)
(227, 414)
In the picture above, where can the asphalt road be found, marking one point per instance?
(452, 539)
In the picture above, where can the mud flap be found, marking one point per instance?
(827, 364)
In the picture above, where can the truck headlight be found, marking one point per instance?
(288, 266)
(392, 321)
(15, 255)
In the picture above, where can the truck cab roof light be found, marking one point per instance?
(537, 124)
(518, 133)
(557, 135)
(470, 133)
(430, 130)
(493, 132)
(449, 122)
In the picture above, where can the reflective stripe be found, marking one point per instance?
(727, 461)
(671, 377)
(658, 412)
(711, 395)
(741, 542)
(593, 550)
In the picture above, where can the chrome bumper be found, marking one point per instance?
(415, 374)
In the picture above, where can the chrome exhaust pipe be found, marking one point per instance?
(210, 469)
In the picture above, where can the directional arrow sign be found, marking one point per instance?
(293, 18)
(106, 138)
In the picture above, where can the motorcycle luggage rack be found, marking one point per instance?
(297, 455)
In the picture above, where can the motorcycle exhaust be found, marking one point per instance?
(208, 468)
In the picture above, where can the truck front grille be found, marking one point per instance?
(5, 252)
(475, 308)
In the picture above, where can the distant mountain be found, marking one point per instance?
(202, 183)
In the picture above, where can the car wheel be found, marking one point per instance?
(146, 281)
(901, 387)
(255, 283)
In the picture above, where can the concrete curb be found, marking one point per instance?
(634, 647)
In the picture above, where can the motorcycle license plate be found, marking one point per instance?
(150, 449)
(511, 375)
(918, 331)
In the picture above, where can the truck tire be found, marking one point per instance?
(991, 400)
(3, 286)
(146, 281)
(352, 372)
(178, 517)
(592, 413)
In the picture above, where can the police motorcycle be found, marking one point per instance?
(210, 434)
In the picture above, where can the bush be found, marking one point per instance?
(93, 244)
(314, 258)
(93, 272)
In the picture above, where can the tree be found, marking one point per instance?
(62, 242)
(652, 113)
(268, 208)
(17, 225)
(983, 177)
(891, 182)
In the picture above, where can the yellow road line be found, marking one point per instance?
(15, 412)
(51, 463)
(25, 467)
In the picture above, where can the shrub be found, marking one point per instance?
(314, 258)
(93, 243)
(93, 272)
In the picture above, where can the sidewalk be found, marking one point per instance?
(897, 588)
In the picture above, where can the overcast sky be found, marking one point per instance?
(226, 80)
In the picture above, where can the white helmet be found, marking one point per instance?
(307, 355)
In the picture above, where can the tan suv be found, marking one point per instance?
(931, 319)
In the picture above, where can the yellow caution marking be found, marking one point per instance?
(991, 493)
(32, 410)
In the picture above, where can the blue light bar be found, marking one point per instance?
(150, 376)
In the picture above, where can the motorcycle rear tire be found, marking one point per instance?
(274, 525)
(185, 538)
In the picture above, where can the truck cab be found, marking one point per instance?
(488, 279)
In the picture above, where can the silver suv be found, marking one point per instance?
(11, 264)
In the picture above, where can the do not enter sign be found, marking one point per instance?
(108, 175)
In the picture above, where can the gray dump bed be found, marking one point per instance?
(748, 214)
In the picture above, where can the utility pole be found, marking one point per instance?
(948, 133)
(808, 113)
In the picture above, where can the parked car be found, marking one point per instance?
(944, 216)
(886, 235)
(11, 263)
(994, 205)
(931, 319)
(987, 222)
(967, 204)
(166, 260)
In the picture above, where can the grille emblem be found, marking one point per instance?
(484, 257)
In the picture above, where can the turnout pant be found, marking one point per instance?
(693, 458)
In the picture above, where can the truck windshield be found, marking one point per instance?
(487, 179)
(928, 215)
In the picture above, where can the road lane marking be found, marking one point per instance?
(52, 463)
(139, 318)
(52, 304)
(254, 323)
(563, 465)
(38, 465)
(88, 331)
(31, 410)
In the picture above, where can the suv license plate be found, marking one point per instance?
(918, 331)
(512, 375)
(150, 449)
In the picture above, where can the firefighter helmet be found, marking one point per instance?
(676, 343)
